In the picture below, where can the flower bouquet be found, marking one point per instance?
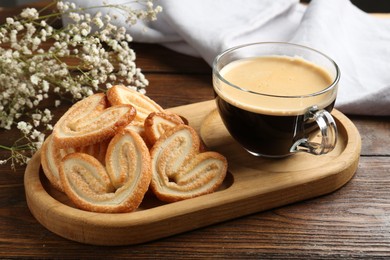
(42, 64)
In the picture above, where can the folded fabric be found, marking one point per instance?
(360, 45)
(357, 41)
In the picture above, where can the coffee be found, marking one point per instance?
(262, 101)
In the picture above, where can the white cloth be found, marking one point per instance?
(357, 41)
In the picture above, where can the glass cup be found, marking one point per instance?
(275, 98)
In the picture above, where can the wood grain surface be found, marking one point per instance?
(352, 222)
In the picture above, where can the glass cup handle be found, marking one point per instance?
(328, 131)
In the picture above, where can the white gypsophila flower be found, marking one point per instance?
(35, 133)
(3, 162)
(31, 72)
(142, 91)
(9, 20)
(36, 123)
(37, 145)
(98, 22)
(45, 86)
(24, 127)
(30, 13)
(75, 16)
(34, 79)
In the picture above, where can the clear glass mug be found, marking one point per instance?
(277, 124)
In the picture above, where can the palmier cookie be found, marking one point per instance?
(157, 123)
(90, 121)
(120, 187)
(119, 95)
(51, 157)
(180, 171)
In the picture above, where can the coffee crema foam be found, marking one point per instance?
(279, 76)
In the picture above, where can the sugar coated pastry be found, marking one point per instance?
(180, 171)
(119, 95)
(118, 187)
(157, 123)
(90, 121)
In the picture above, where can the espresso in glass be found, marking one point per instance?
(268, 101)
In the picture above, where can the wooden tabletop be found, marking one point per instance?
(353, 221)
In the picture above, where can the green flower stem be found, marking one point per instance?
(17, 148)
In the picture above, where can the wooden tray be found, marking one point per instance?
(252, 185)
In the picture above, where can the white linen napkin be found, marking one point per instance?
(357, 41)
(360, 45)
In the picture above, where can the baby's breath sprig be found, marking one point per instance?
(38, 61)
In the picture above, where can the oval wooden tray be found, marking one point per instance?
(252, 185)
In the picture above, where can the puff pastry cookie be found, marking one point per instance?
(180, 171)
(157, 123)
(90, 121)
(118, 187)
(119, 95)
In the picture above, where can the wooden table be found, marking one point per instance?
(353, 221)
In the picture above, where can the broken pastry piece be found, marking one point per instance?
(180, 170)
(118, 187)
